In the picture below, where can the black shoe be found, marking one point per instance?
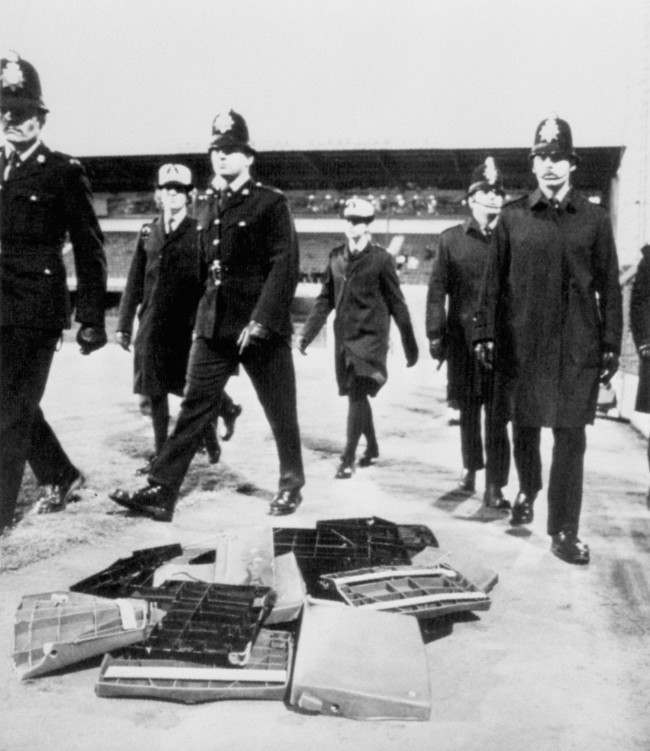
(344, 471)
(53, 498)
(229, 421)
(522, 510)
(493, 497)
(368, 458)
(467, 482)
(155, 501)
(567, 547)
(285, 502)
(212, 447)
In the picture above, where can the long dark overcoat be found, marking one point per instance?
(452, 300)
(364, 290)
(164, 287)
(552, 303)
(640, 325)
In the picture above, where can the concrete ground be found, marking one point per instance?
(561, 661)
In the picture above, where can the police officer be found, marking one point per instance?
(45, 194)
(452, 299)
(164, 286)
(551, 320)
(250, 257)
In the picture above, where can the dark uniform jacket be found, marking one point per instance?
(552, 303)
(164, 282)
(249, 260)
(640, 325)
(43, 199)
(364, 290)
(457, 274)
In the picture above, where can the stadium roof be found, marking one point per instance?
(444, 169)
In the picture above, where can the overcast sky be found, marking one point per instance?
(147, 76)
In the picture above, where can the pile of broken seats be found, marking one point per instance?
(293, 614)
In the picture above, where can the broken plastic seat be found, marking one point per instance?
(360, 664)
(209, 623)
(341, 545)
(265, 676)
(421, 592)
(246, 557)
(57, 629)
(414, 537)
(125, 576)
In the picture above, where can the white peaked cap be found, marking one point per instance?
(174, 173)
(359, 208)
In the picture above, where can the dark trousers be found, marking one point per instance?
(270, 367)
(360, 421)
(25, 436)
(565, 480)
(497, 443)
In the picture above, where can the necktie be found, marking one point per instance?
(171, 226)
(224, 197)
(12, 163)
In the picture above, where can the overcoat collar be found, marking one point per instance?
(471, 227)
(158, 230)
(537, 200)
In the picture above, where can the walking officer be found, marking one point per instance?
(551, 319)
(44, 196)
(249, 253)
(452, 299)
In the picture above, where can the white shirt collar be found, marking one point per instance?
(176, 218)
(239, 181)
(360, 244)
(22, 155)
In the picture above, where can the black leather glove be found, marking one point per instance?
(437, 350)
(484, 353)
(90, 338)
(412, 357)
(252, 333)
(608, 366)
(123, 338)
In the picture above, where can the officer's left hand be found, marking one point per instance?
(252, 333)
(608, 366)
(90, 338)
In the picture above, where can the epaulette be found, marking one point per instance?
(514, 202)
(207, 195)
(60, 156)
(268, 187)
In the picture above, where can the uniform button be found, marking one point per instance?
(215, 242)
(33, 197)
(217, 221)
(47, 272)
